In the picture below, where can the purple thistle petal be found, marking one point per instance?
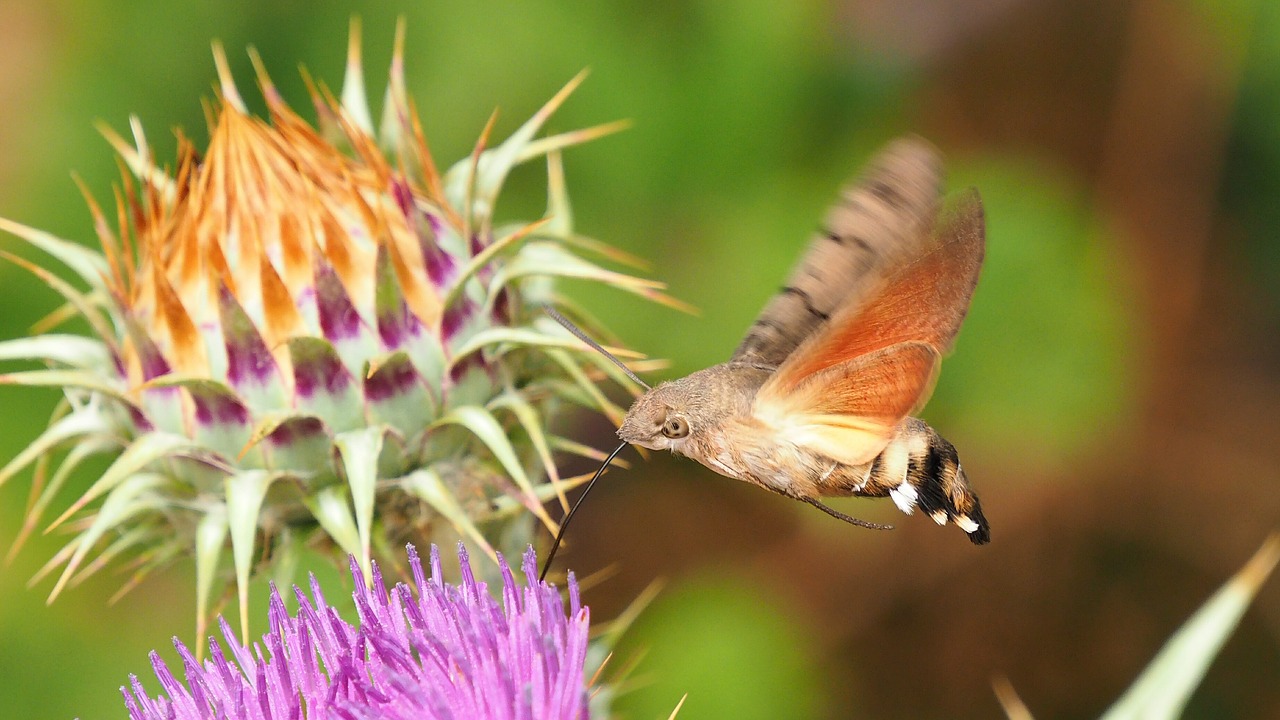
(226, 676)
(129, 704)
(190, 669)
(150, 708)
(451, 651)
(263, 694)
(243, 661)
(182, 701)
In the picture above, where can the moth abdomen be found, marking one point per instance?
(944, 492)
(920, 469)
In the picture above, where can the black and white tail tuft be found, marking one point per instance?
(920, 469)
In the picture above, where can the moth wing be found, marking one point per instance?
(881, 220)
(849, 411)
(924, 301)
(915, 313)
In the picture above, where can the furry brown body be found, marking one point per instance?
(917, 468)
(816, 402)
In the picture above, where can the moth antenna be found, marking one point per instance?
(841, 516)
(568, 325)
(565, 524)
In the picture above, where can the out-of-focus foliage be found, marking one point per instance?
(697, 636)
(1164, 687)
(1052, 315)
(1251, 184)
(1112, 395)
(1162, 690)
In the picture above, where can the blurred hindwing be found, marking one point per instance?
(879, 223)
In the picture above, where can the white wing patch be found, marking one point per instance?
(905, 497)
(894, 463)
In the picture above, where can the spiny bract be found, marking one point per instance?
(308, 335)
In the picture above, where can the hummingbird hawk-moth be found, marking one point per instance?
(817, 401)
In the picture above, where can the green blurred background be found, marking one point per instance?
(1113, 393)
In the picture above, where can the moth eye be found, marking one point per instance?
(675, 427)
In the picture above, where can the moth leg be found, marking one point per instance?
(866, 477)
(841, 516)
(827, 474)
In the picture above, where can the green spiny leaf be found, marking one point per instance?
(426, 485)
(546, 259)
(74, 351)
(67, 378)
(86, 448)
(124, 501)
(331, 509)
(494, 165)
(526, 337)
(81, 302)
(486, 256)
(85, 422)
(89, 265)
(1162, 690)
(482, 423)
(505, 506)
(143, 451)
(245, 491)
(528, 418)
(555, 143)
(360, 450)
(211, 536)
(602, 403)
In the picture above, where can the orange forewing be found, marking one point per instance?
(879, 387)
(849, 411)
(922, 302)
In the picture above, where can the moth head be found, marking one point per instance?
(658, 420)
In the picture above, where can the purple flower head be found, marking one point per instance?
(450, 652)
